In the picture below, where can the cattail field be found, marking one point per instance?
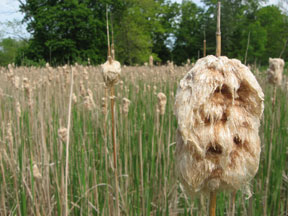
(34, 116)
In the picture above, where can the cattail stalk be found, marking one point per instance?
(204, 47)
(270, 152)
(67, 144)
(246, 53)
(112, 97)
(218, 33)
(212, 209)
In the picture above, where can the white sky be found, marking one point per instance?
(9, 11)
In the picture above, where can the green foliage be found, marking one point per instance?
(8, 50)
(73, 31)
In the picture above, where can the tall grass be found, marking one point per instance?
(146, 144)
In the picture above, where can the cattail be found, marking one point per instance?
(16, 82)
(74, 98)
(275, 71)
(26, 85)
(154, 90)
(89, 101)
(104, 106)
(151, 63)
(62, 134)
(111, 70)
(85, 73)
(218, 106)
(126, 103)
(28, 91)
(36, 172)
(82, 89)
(162, 100)
(18, 109)
(9, 135)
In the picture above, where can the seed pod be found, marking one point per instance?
(218, 107)
(275, 71)
(162, 100)
(111, 70)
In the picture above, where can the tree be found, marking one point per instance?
(65, 31)
(8, 50)
(189, 34)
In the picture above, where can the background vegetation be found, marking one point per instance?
(72, 31)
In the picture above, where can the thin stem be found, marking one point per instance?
(218, 32)
(107, 26)
(114, 150)
(212, 209)
(270, 152)
(246, 53)
(67, 144)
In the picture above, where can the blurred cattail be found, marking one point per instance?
(74, 98)
(89, 101)
(104, 106)
(62, 134)
(85, 73)
(82, 89)
(154, 90)
(9, 135)
(126, 103)
(111, 70)
(28, 91)
(162, 100)
(218, 106)
(151, 63)
(36, 172)
(26, 85)
(18, 109)
(137, 88)
(275, 71)
(16, 82)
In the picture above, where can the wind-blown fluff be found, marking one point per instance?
(111, 72)
(218, 106)
(275, 70)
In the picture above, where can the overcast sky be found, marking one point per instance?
(9, 10)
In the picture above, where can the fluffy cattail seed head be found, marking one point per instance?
(104, 106)
(162, 100)
(151, 62)
(275, 71)
(36, 172)
(218, 107)
(126, 103)
(62, 133)
(111, 70)
(18, 109)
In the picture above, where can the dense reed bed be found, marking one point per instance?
(33, 118)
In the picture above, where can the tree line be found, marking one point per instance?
(69, 31)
